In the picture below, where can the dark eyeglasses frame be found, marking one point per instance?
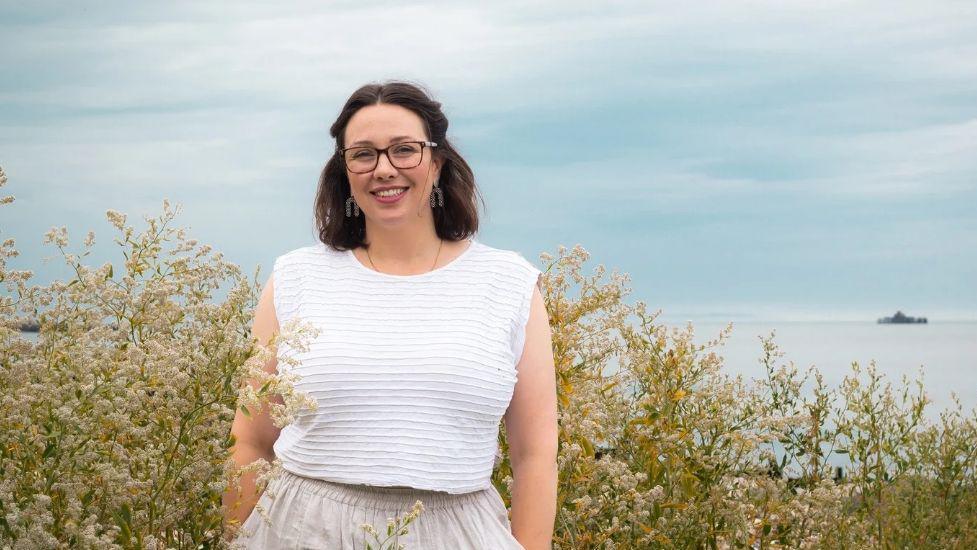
(342, 154)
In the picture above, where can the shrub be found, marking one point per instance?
(115, 421)
(660, 448)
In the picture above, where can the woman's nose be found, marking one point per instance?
(384, 167)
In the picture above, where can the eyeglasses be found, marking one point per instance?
(406, 154)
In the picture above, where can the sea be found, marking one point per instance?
(942, 354)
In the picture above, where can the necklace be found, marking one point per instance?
(432, 266)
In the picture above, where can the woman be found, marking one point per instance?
(428, 338)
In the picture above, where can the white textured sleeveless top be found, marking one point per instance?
(411, 373)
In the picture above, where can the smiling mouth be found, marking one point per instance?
(389, 192)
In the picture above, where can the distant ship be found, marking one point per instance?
(901, 318)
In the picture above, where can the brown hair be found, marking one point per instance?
(456, 220)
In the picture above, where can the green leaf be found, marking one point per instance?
(588, 447)
(49, 450)
(123, 518)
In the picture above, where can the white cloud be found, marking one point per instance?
(508, 54)
(856, 101)
(939, 159)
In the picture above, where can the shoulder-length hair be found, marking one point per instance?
(456, 220)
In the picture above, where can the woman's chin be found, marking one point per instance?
(389, 216)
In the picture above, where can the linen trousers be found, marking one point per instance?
(305, 513)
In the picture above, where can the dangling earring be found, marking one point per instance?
(356, 208)
(437, 191)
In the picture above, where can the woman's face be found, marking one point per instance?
(380, 126)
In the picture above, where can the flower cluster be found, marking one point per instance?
(115, 416)
(396, 528)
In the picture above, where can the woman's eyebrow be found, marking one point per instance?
(393, 139)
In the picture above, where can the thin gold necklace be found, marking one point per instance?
(436, 256)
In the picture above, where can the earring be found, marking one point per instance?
(356, 208)
(437, 191)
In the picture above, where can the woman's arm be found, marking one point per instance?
(532, 434)
(255, 435)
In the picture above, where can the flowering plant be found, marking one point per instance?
(660, 448)
(115, 421)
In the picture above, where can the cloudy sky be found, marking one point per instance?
(740, 160)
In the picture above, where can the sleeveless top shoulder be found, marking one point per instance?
(411, 373)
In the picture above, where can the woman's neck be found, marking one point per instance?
(400, 249)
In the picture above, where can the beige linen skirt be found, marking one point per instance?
(305, 513)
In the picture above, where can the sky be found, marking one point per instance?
(738, 160)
